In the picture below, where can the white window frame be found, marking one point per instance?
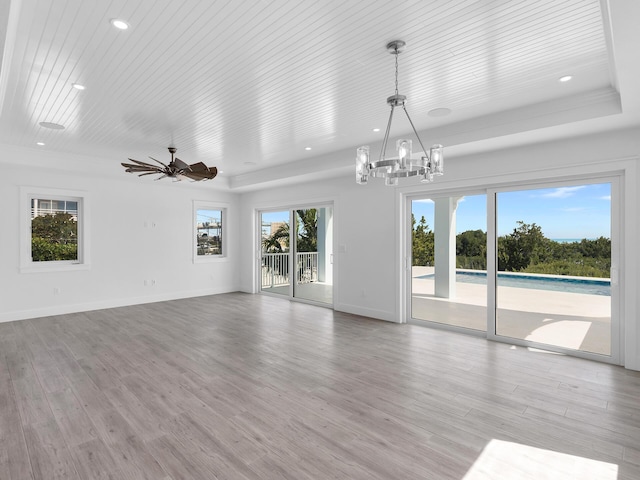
(27, 265)
(224, 209)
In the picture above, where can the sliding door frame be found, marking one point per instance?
(408, 258)
(619, 291)
(291, 208)
(617, 233)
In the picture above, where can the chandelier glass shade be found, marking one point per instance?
(426, 166)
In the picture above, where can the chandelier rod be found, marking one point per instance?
(383, 150)
(398, 100)
(426, 154)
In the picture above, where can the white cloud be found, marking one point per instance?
(423, 200)
(606, 197)
(563, 192)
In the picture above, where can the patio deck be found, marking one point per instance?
(570, 320)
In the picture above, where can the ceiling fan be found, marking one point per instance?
(176, 169)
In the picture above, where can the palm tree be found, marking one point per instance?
(307, 238)
(273, 243)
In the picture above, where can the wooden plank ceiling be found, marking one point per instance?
(236, 83)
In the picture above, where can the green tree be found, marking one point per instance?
(54, 237)
(59, 228)
(471, 250)
(525, 245)
(307, 234)
(422, 243)
(45, 251)
(307, 222)
(274, 242)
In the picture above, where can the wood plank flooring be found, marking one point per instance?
(241, 386)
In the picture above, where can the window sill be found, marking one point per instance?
(211, 259)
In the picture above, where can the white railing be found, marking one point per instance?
(307, 267)
(275, 268)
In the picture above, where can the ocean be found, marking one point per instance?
(569, 240)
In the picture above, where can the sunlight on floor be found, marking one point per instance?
(514, 461)
(564, 333)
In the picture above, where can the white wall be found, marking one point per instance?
(364, 240)
(367, 227)
(368, 262)
(124, 252)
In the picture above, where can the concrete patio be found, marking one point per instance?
(570, 320)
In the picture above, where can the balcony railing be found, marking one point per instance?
(275, 268)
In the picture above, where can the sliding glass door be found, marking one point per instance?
(298, 262)
(553, 282)
(449, 261)
(527, 265)
(275, 274)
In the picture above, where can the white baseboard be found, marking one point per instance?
(107, 303)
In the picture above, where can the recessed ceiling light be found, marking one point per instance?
(307, 148)
(51, 125)
(119, 24)
(40, 144)
(78, 86)
(376, 129)
(439, 112)
(566, 78)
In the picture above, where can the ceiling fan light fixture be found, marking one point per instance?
(175, 169)
(404, 165)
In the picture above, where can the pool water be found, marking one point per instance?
(596, 286)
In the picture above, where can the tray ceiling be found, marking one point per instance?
(251, 85)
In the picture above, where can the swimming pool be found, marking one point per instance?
(556, 283)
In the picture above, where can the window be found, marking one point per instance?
(53, 229)
(209, 231)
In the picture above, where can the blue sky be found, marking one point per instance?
(269, 217)
(210, 216)
(582, 211)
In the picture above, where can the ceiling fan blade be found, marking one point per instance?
(136, 168)
(135, 165)
(199, 167)
(180, 165)
(149, 173)
(143, 163)
(158, 162)
(209, 174)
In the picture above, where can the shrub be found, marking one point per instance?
(46, 251)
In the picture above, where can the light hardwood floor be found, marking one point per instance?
(241, 386)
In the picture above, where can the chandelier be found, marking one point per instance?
(426, 167)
